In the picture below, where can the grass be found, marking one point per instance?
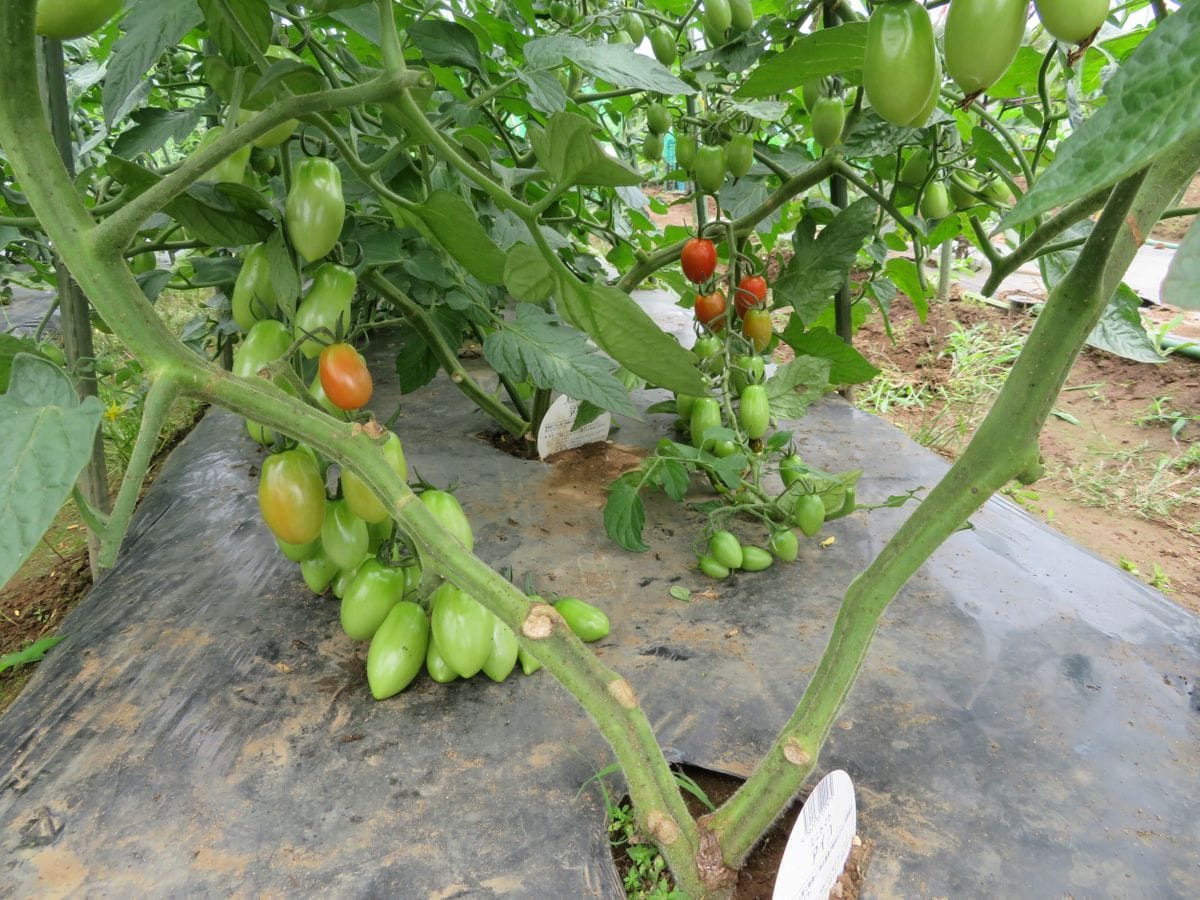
(1151, 485)
(978, 358)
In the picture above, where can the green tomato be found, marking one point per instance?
(741, 15)
(709, 168)
(900, 61)
(828, 120)
(662, 42)
(397, 650)
(717, 16)
(291, 497)
(344, 535)
(65, 20)
(360, 498)
(275, 136)
(684, 405)
(372, 593)
(143, 263)
(449, 513)
(658, 119)
(791, 467)
(1070, 21)
(435, 664)
(706, 415)
(503, 658)
(462, 628)
(935, 202)
(707, 347)
(755, 559)
(254, 296)
(529, 662)
(232, 169)
(747, 370)
(785, 545)
(315, 209)
(712, 568)
(342, 581)
(961, 185)
(809, 514)
(724, 449)
(998, 192)
(754, 411)
(726, 549)
(685, 150)
(318, 571)
(324, 313)
(632, 24)
(981, 40)
(620, 36)
(298, 553)
(377, 533)
(812, 92)
(652, 147)
(739, 155)
(588, 622)
(915, 168)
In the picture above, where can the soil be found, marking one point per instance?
(756, 879)
(1105, 486)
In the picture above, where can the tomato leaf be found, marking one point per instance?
(285, 277)
(625, 514)
(905, 275)
(624, 331)
(222, 215)
(1153, 102)
(830, 51)
(46, 441)
(154, 128)
(795, 387)
(820, 264)
(445, 43)
(150, 28)
(848, 365)
(617, 64)
(455, 225)
(1121, 330)
(546, 93)
(227, 20)
(539, 347)
(873, 135)
(527, 275)
(570, 154)
(1181, 287)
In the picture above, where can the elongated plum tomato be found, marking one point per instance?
(398, 650)
(757, 328)
(65, 20)
(344, 376)
(828, 120)
(982, 39)
(1071, 21)
(751, 292)
(315, 209)
(900, 63)
(360, 498)
(291, 496)
(698, 259)
(710, 310)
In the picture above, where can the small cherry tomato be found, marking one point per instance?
(710, 311)
(344, 376)
(698, 259)
(751, 292)
(757, 329)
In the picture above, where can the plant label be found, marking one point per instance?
(556, 435)
(820, 841)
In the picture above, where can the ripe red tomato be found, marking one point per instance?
(698, 259)
(344, 376)
(710, 310)
(751, 292)
(756, 327)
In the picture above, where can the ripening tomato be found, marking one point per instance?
(344, 376)
(291, 496)
(751, 293)
(698, 259)
(710, 310)
(757, 329)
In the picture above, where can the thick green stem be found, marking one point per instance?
(447, 355)
(1004, 447)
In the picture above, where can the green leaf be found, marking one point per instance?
(46, 440)
(554, 356)
(154, 127)
(679, 592)
(989, 148)
(225, 20)
(416, 364)
(905, 275)
(285, 277)
(875, 136)
(1181, 287)
(1153, 103)
(830, 51)
(222, 215)
(617, 64)
(674, 479)
(624, 331)
(570, 154)
(1120, 329)
(819, 267)
(455, 225)
(848, 365)
(796, 386)
(35, 652)
(296, 76)
(546, 93)
(445, 43)
(1021, 78)
(151, 26)
(10, 346)
(527, 275)
(625, 514)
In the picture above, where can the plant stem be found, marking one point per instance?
(1004, 447)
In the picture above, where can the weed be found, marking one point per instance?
(1160, 413)
(1151, 489)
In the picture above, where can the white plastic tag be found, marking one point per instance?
(820, 842)
(556, 435)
